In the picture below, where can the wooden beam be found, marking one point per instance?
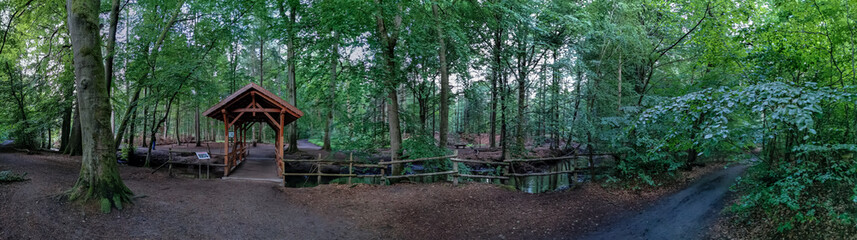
(270, 110)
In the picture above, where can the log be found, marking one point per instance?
(541, 174)
(483, 176)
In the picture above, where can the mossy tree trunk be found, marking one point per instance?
(99, 174)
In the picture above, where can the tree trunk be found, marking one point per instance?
(504, 145)
(65, 127)
(495, 78)
(178, 124)
(196, 123)
(261, 83)
(99, 174)
(75, 145)
(332, 90)
(293, 128)
(388, 49)
(111, 44)
(444, 79)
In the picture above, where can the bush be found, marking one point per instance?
(813, 197)
(9, 177)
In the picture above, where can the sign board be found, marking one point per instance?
(232, 134)
(202, 155)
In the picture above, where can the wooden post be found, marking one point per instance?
(455, 170)
(169, 161)
(318, 166)
(383, 177)
(225, 143)
(280, 164)
(350, 166)
(574, 168)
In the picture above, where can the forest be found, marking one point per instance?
(663, 86)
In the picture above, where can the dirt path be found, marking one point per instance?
(174, 208)
(684, 215)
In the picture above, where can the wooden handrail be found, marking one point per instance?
(415, 160)
(476, 161)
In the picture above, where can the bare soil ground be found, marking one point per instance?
(173, 208)
(216, 209)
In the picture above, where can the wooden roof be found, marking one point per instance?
(265, 102)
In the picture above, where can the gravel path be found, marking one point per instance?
(684, 215)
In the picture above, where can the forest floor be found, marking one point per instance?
(177, 207)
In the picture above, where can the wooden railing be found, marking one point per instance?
(506, 173)
(319, 162)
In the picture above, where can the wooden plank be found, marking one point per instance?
(243, 110)
(479, 162)
(422, 174)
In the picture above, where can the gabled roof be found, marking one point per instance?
(243, 97)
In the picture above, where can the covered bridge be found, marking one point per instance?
(248, 105)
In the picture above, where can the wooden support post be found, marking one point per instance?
(169, 160)
(318, 166)
(383, 177)
(455, 169)
(225, 143)
(350, 166)
(574, 167)
(280, 164)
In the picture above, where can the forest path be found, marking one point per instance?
(684, 215)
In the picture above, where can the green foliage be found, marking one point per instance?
(425, 147)
(797, 198)
(9, 177)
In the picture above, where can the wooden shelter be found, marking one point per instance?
(248, 105)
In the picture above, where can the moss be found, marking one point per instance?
(117, 201)
(105, 205)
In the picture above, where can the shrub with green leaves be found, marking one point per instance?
(9, 177)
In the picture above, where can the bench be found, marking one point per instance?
(457, 146)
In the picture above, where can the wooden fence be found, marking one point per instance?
(319, 163)
(199, 164)
(507, 168)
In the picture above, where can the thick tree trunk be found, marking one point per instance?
(99, 174)
(332, 91)
(444, 79)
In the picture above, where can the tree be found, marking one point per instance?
(99, 174)
(388, 36)
(444, 77)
